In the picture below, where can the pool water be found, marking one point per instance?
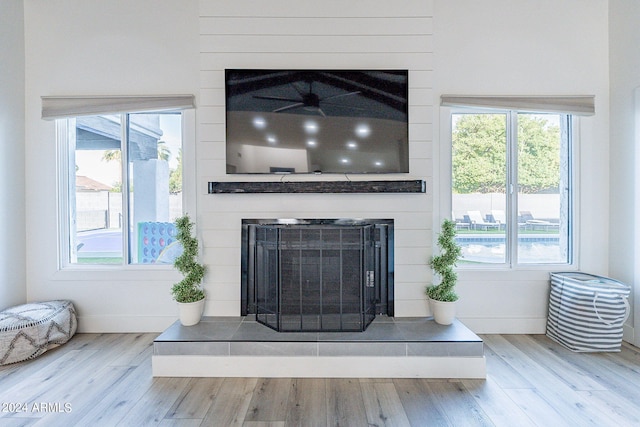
(529, 252)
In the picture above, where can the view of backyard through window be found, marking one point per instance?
(124, 187)
(511, 186)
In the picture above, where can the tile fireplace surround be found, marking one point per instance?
(389, 348)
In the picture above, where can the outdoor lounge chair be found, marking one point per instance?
(461, 223)
(535, 224)
(499, 218)
(477, 221)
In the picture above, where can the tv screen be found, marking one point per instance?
(316, 121)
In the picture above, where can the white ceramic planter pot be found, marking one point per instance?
(444, 312)
(190, 312)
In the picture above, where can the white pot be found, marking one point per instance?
(444, 312)
(190, 312)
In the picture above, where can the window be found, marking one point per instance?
(120, 187)
(512, 186)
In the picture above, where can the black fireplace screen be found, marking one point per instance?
(315, 277)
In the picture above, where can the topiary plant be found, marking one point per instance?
(188, 289)
(443, 264)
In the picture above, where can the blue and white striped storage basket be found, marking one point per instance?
(587, 312)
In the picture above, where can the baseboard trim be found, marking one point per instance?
(509, 325)
(628, 334)
(149, 324)
(124, 324)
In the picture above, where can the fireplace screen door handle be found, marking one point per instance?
(371, 279)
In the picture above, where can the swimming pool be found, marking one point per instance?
(539, 249)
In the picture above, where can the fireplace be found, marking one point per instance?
(317, 275)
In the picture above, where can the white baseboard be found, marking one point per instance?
(628, 334)
(318, 367)
(152, 324)
(124, 324)
(523, 326)
(481, 325)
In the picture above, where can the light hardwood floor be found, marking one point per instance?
(105, 380)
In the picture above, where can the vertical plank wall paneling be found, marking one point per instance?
(289, 34)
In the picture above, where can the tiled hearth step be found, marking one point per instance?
(390, 347)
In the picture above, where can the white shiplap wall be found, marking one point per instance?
(355, 34)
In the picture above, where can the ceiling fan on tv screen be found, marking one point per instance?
(308, 100)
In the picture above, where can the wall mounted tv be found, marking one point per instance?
(316, 121)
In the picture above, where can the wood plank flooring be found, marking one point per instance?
(105, 380)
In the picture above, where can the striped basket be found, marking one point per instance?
(587, 312)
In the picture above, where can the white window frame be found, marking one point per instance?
(63, 133)
(444, 199)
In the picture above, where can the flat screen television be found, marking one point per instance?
(316, 121)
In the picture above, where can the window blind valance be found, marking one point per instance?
(578, 105)
(57, 107)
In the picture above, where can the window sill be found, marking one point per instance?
(106, 273)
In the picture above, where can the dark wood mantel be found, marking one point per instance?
(396, 186)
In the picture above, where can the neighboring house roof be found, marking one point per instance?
(84, 183)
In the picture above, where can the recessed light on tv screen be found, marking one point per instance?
(316, 121)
